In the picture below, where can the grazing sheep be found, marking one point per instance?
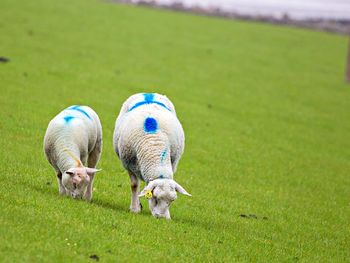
(73, 140)
(149, 140)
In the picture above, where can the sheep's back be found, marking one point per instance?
(135, 125)
(78, 125)
(149, 129)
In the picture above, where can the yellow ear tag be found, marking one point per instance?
(148, 194)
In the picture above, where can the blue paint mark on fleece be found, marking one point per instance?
(148, 99)
(150, 125)
(68, 118)
(77, 108)
(163, 155)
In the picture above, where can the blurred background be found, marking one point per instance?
(265, 110)
(330, 15)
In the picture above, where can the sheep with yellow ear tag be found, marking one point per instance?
(149, 140)
(148, 194)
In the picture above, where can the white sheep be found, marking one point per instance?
(72, 145)
(149, 140)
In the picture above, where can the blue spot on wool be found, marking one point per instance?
(68, 118)
(150, 125)
(77, 108)
(148, 99)
(163, 155)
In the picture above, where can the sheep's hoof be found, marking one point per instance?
(136, 209)
(87, 198)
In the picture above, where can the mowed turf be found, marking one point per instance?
(266, 113)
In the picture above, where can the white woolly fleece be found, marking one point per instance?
(71, 136)
(148, 137)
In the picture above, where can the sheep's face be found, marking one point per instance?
(163, 194)
(76, 180)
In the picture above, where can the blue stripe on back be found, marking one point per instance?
(68, 118)
(77, 108)
(149, 99)
(137, 105)
(161, 104)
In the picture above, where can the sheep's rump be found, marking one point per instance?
(148, 137)
(76, 129)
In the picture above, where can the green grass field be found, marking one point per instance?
(266, 115)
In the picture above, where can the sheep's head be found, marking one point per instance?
(163, 193)
(76, 180)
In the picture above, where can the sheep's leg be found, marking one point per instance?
(61, 188)
(88, 193)
(174, 159)
(135, 205)
(92, 162)
(174, 164)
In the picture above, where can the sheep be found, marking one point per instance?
(73, 139)
(149, 140)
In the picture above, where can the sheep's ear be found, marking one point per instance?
(181, 190)
(92, 171)
(148, 187)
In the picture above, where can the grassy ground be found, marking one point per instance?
(266, 116)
